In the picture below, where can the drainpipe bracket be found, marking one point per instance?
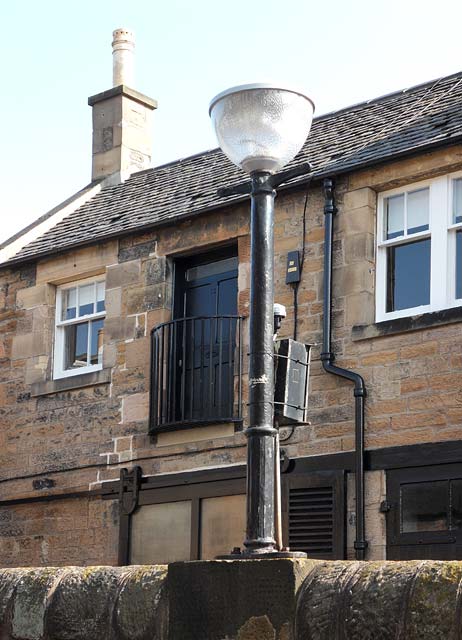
(360, 545)
(360, 393)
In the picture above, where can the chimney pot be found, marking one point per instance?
(123, 55)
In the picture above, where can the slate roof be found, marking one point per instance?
(402, 123)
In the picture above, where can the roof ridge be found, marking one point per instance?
(399, 124)
(385, 96)
(323, 116)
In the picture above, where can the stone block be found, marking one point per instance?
(245, 600)
(43, 318)
(123, 444)
(360, 308)
(142, 299)
(91, 379)
(361, 220)
(43, 294)
(109, 355)
(427, 348)
(379, 358)
(353, 278)
(74, 265)
(124, 274)
(196, 434)
(359, 247)
(154, 317)
(157, 271)
(36, 369)
(135, 407)
(105, 163)
(116, 329)
(137, 353)
(31, 344)
(138, 250)
(358, 198)
(113, 302)
(105, 113)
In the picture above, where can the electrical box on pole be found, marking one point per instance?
(291, 381)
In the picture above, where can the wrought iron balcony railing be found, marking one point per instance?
(196, 372)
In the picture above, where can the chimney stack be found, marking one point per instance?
(122, 118)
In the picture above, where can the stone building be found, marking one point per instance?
(121, 422)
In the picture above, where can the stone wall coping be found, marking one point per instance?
(262, 599)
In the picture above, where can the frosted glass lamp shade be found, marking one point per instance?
(261, 127)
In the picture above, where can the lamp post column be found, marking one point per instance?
(261, 432)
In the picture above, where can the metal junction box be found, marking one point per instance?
(292, 373)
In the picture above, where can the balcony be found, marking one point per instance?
(196, 372)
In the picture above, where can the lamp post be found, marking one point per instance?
(261, 127)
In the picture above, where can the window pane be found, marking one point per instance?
(86, 299)
(394, 216)
(96, 342)
(211, 269)
(458, 264)
(418, 212)
(456, 504)
(408, 275)
(100, 289)
(222, 525)
(457, 200)
(424, 507)
(76, 339)
(69, 304)
(161, 533)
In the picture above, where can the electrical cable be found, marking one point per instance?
(302, 260)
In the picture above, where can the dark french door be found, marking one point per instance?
(206, 298)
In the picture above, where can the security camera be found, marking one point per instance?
(279, 313)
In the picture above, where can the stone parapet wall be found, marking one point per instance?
(238, 600)
(419, 600)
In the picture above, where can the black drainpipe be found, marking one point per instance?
(327, 359)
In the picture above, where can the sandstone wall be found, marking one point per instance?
(58, 438)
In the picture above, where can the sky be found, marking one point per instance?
(56, 53)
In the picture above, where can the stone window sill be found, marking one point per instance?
(404, 325)
(73, 382)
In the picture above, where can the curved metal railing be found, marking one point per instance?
(196, 372)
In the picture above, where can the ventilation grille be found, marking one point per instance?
(311, 521)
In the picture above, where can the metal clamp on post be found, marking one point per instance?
(273, 181)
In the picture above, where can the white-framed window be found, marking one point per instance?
(419, 248)
(80, 312)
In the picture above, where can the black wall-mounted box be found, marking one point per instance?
(291, 381)
(293, 267)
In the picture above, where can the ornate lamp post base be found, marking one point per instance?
(245, 555)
